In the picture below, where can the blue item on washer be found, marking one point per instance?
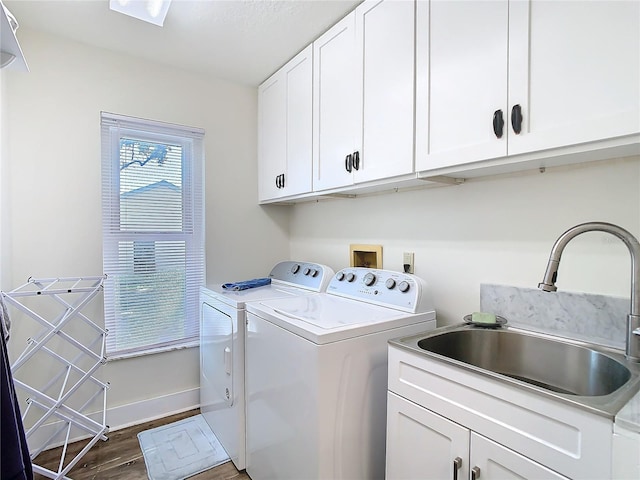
(256, 282)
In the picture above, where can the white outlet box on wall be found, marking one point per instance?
(407, 262)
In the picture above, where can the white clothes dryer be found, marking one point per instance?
(222, 344)
(316, 375)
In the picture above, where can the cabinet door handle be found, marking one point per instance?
(277, 181)
(348, 163)
(498, 123)
(516, 118)
(356, 160)
(475, 473)
(457, 463)
(282, 181)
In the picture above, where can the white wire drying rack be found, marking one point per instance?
(59, 406)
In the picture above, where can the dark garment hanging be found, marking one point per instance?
(15, 463)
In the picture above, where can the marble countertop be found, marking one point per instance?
(629, 416)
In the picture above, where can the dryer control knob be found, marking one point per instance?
(314, 272)
(369, 279)
(390, 283)
(295, 269)
(404, 286)
(307, 270)
(340, 276)
(350, 277)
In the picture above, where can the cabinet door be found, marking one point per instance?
(385, 43)
(465, 49)
(285, 129)
(574, 68)
(335, 105)
(299, 80)
(272, 133)
(421, 444)
(499, 463)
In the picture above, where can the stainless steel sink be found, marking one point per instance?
(556, 366)
(597, 378)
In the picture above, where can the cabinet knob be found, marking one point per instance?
(348, 163)
(498, 123)
(516, 118)
(457, 464)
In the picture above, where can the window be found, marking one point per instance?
(153, 234)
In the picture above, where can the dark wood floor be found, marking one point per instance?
(120, 457)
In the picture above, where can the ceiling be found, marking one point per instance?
(243, 41)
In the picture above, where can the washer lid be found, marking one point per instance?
(323, 318)
(288, 278)
(238, 299)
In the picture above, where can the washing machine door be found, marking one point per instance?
(216, 345)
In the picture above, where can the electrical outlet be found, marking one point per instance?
(407, 262)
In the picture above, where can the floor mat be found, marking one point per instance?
(181, 449)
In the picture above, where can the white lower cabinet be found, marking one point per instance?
(625, 463)
(490, 460)
(444, 422)
(422, 444)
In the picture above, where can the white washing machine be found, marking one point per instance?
(316, 375)
(222, 343)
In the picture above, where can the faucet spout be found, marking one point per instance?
(548, 283)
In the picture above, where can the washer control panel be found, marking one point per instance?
(312, 276)
(387, 288)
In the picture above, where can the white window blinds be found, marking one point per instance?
(153, 234)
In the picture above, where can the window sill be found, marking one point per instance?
(152, 351)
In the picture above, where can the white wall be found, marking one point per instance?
(53, 201)
(492, 230)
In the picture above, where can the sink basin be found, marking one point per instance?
(553, 365)
(593, 377)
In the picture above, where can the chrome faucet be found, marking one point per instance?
(548, 284)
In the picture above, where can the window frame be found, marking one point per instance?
(113, 128)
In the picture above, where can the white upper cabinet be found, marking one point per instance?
(574, 68)
(462, 81)
(498, 78)
(402, 90)
(284, 130)
(334, 105)
(385, 35)
(271, 137)
(364, 96)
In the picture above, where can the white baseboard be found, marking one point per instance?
(122, 416)
(152, 409)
